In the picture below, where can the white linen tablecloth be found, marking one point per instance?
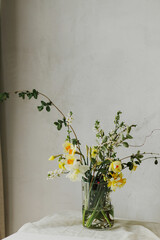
(68, 226)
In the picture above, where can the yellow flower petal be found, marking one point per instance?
(61, 165)
(70, 159)
(51, 158)
(117, 180)
(134, 167)
(69, 148)
(94, 152)
(115, 166)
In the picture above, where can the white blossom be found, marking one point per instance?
(55, 173)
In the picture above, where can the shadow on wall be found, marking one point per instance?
(8, 20)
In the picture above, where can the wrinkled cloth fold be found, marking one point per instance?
(68, 226)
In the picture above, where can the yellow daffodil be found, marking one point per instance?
(94, 152)
(115, 166)
(117, 180)
(77, 171)
(51, 158)
(69, 148)
(112, 184)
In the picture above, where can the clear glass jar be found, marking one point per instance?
(97, 210)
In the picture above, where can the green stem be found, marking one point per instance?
(104, 215)
(92, 217)
(83, 217)
(90, 220)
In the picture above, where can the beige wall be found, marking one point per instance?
(93, 57)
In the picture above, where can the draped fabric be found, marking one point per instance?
(2, 225)
(68, 226)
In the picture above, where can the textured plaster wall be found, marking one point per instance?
(93, 57)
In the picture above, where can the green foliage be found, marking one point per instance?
(125, 144)
(59, 124)
(101, 155)
(27, 93)
(138, 156)
(45, 105)
(4, 96)
(107, 143)
(117, 118)
(130, 165)
(99, 131)
(105, 150)
(40, 108)
(75, 141)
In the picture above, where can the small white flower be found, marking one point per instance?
(55, 173)
(69, 119)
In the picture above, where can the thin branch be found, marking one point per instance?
(57, 110)
(62, 115)
(150, 157)
(145, 138)
(141, 153)
(52, 104)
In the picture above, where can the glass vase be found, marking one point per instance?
(97, 210)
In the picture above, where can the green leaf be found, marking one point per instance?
(48, 109)
(137, 162)
(123, 137)
(93, 160)
(98, 135)
(29, 95)
(60, 121)
(107, 162)
(40, 108)
(43, 103)
(64, 121)
(59, 126)
(101, 155)
(130, 165)
(105, 139)
(129, 136)
(35, 93)
(156, 162)
(56, 123)
(21, 95)
(103, 148)
(121, 124)
(128, 129)
(75, 141)
(125, 144)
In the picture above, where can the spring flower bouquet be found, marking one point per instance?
(99, 168)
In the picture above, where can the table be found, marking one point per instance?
(68, 226)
